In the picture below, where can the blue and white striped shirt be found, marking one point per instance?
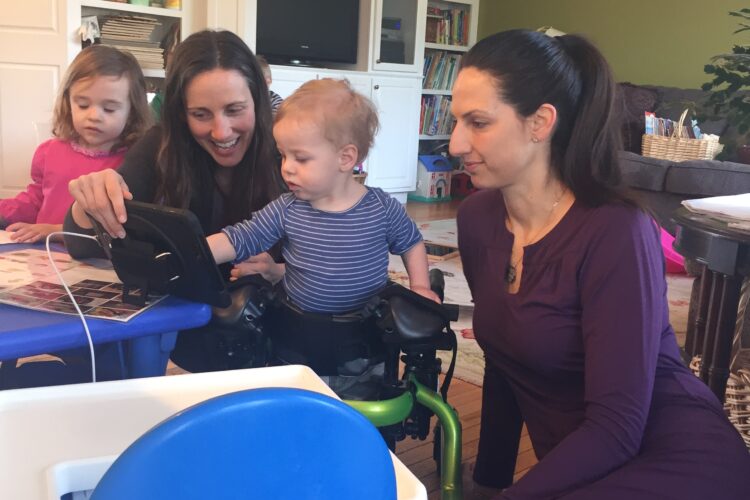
(335, 261)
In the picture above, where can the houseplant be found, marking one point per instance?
(729, 97)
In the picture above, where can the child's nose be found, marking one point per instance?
(286, 167)
(94, 113)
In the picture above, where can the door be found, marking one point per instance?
(33, 57)
(398, 35)
(392, 164)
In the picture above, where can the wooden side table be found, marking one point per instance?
(725, 253)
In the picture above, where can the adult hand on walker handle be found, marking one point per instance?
(101, 195)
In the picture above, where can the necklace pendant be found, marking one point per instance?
(510, 274)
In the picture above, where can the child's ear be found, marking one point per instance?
(348, 157)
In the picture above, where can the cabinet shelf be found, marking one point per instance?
(441, 46)
(442, 137)
(154, 73)
(135, 9)
(436, 92)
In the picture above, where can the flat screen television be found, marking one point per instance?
(307, 32)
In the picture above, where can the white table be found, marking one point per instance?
(57, 440)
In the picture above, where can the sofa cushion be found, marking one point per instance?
(708, 178)
(640, 172)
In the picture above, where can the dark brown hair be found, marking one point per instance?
(530, 69)
(101, 60)
(183, 165)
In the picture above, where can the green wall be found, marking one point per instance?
(658, 42)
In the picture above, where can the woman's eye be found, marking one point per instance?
(235, 110)
(109, 110)
(198, 115)
(478, 124)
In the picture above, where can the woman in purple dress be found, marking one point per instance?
(567, 276)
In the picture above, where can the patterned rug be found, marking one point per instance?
(470, 360)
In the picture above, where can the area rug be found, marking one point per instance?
(470, 359)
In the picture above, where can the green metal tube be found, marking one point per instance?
(388, 412)
(450, 477)
(396, 410)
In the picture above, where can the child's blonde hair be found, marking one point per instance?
(344, 115)
(101, 60)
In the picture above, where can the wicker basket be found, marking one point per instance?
(679, 148)
(737, 402)
(736, 399)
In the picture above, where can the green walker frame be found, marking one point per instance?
(396, 410)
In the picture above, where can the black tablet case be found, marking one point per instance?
(164, 251)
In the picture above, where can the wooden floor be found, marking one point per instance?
(466, 398)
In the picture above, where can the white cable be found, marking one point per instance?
(70, 294)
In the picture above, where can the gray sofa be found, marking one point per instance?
(661, 185)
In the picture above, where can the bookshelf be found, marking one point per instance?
(450, 30)
(136, 28)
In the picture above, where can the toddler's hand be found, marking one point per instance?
(262, 264)
(426, 292)
(24, 232)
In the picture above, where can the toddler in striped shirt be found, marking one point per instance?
(336, 233)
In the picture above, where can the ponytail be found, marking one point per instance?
(568, 72)
(587, 159)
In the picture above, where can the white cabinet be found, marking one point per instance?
(398, 33)
(286, 80)
(392, 164)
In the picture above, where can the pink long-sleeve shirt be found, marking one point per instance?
(46, 200)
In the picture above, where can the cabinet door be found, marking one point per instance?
(286, 81)
(33, 56)
(398, 35)
(392, 163)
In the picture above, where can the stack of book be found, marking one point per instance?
(435, 118)
(447, 26)
(733, 209)
(133, 34)
(440, 69)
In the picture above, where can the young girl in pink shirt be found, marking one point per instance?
(100, 112)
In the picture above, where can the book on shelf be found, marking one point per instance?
(447, 26)
(435, 117)
(440, 70)
(133, 33)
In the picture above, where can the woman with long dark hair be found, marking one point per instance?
(567, 277)
(213, 153)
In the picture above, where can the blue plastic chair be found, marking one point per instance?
(261, 443)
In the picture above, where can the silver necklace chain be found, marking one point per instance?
(511, 269)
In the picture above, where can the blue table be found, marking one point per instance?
(150, 336)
